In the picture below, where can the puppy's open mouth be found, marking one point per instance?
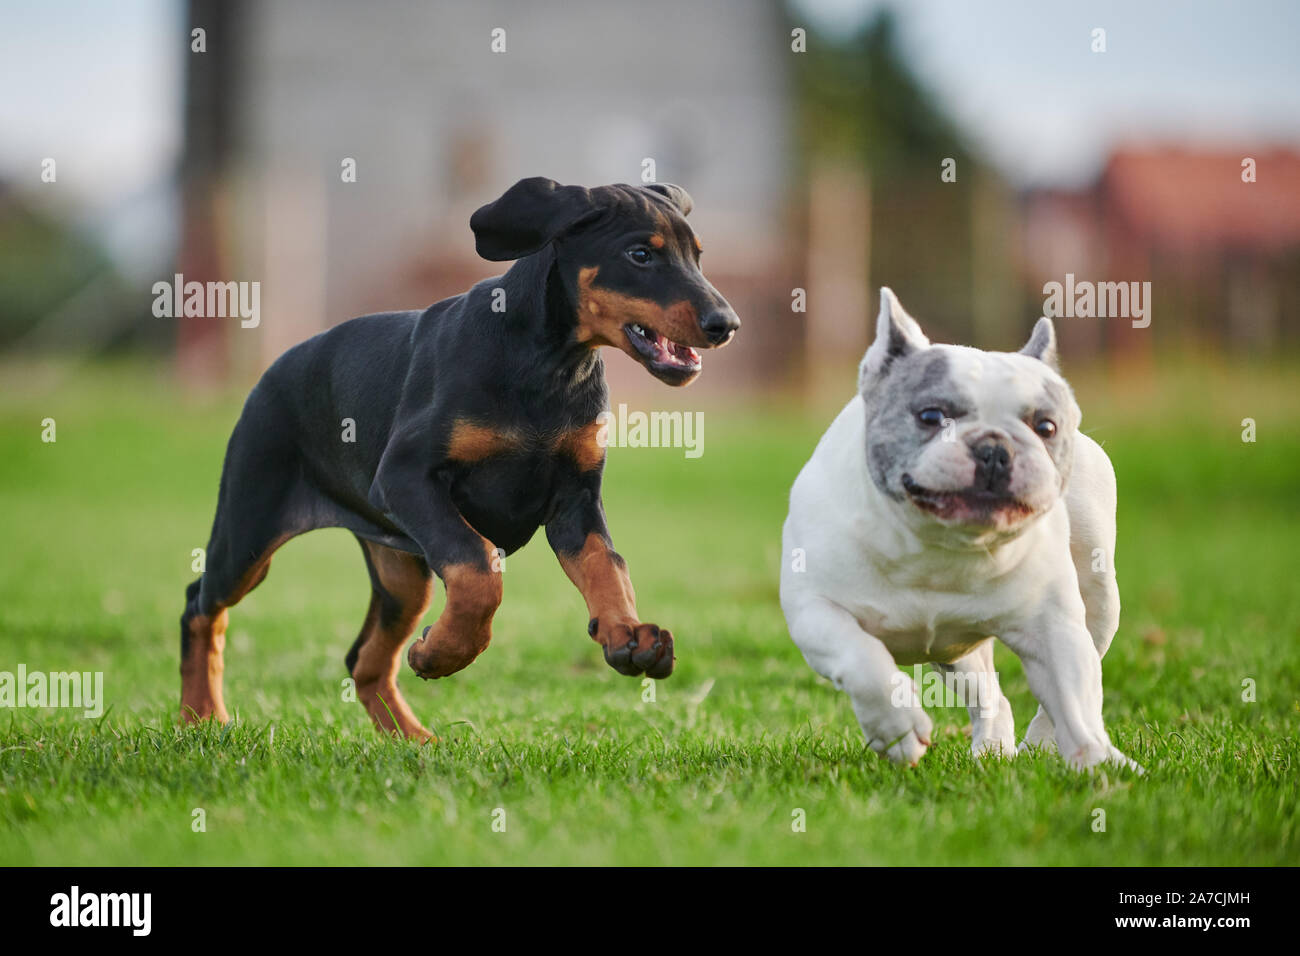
(665, 358)
(966, 506)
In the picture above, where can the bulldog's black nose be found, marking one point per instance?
(992, 464)
(719, 325)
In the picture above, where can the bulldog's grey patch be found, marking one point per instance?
(898, 346)
(933, 375)
(893, 433)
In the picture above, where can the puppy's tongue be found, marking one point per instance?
(669, 352)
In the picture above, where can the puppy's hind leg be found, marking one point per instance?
(256, 514)
(402, 585)
(993, 729)
(203, 644)
(885, 700)
(204, 621)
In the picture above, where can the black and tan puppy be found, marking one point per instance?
(475, 422)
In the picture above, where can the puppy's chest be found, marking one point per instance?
(507, 476)
(473, 445)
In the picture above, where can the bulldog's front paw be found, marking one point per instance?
(993, 735)
(634, 648)
(1118, 758)
(994, 746)
(902, 735)
(1094, 753)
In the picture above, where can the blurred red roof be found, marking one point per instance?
(1183, 199)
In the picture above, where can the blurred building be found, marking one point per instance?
(438, 124)
(817, 178)
(1222, 254)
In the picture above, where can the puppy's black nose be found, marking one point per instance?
(719, 325)
(992, 464)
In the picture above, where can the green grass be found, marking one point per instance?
(98, 530)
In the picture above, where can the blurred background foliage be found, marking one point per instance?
(817, 170)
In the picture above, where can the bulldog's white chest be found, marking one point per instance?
(919, 627)
(919, 612)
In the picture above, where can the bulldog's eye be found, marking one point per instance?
(1045, 428)
(640, 255)
(930, 417)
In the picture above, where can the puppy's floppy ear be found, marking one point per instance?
(1042, 344)
(897, 334)
(678, 196)
(528, 215)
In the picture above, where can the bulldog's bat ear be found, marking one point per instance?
(897, 335)
(528, 215)
(1042, 344)
(678, 196)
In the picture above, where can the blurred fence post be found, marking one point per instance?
(996, 320)
(840, 318)
(202, 343)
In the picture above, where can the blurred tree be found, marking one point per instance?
(859, 98)
(44, 266)
(860, 103)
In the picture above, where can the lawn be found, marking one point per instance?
(549, 756)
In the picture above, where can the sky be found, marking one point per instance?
(103, 80)
(97, 87)
(1021, 80)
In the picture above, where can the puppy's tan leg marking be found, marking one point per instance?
(202, 668)
(464, 628)
(402, 588)
(631, 647)
(204, 664)
(601, 577)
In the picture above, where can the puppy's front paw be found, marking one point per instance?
(440, 652)
(633, 648)
(902, 735)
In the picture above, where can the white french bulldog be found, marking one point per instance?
(954, 500)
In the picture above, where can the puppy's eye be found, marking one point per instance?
(1045, 428)
(930, 417)
(640, 255)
